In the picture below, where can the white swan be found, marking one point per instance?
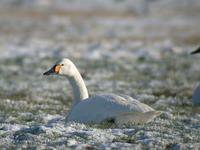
(196, 94)
(119, 109)
(196, 97)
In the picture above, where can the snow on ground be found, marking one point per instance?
(133, 50)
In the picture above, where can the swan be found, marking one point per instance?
(119, 109)
(196, 94)
(196, 97)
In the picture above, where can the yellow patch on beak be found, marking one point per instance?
(56, 68)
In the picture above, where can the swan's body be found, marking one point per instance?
(196, 97)
(96, 109)
(105, 107)
(196, 94)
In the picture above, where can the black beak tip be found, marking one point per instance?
(196, 51)
(46, 73)
(192, 53)
(49, 72)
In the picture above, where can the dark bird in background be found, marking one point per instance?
(196, 51)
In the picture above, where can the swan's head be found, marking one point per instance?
(63, 67)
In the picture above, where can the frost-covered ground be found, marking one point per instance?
(136, 49)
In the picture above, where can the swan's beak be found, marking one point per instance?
(196, 51)
(49, 72)
(54, 70)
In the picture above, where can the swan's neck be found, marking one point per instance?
(79, 89)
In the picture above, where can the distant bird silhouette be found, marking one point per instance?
(196, 51)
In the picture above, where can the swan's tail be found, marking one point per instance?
(136, 117)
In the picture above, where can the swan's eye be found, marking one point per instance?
(62, 64)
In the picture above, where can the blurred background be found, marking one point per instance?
(135, 47)
(90, 27)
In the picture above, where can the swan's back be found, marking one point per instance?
(104, 107)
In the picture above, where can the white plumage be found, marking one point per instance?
(100, 108)
(196, 94)
(196, 97)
